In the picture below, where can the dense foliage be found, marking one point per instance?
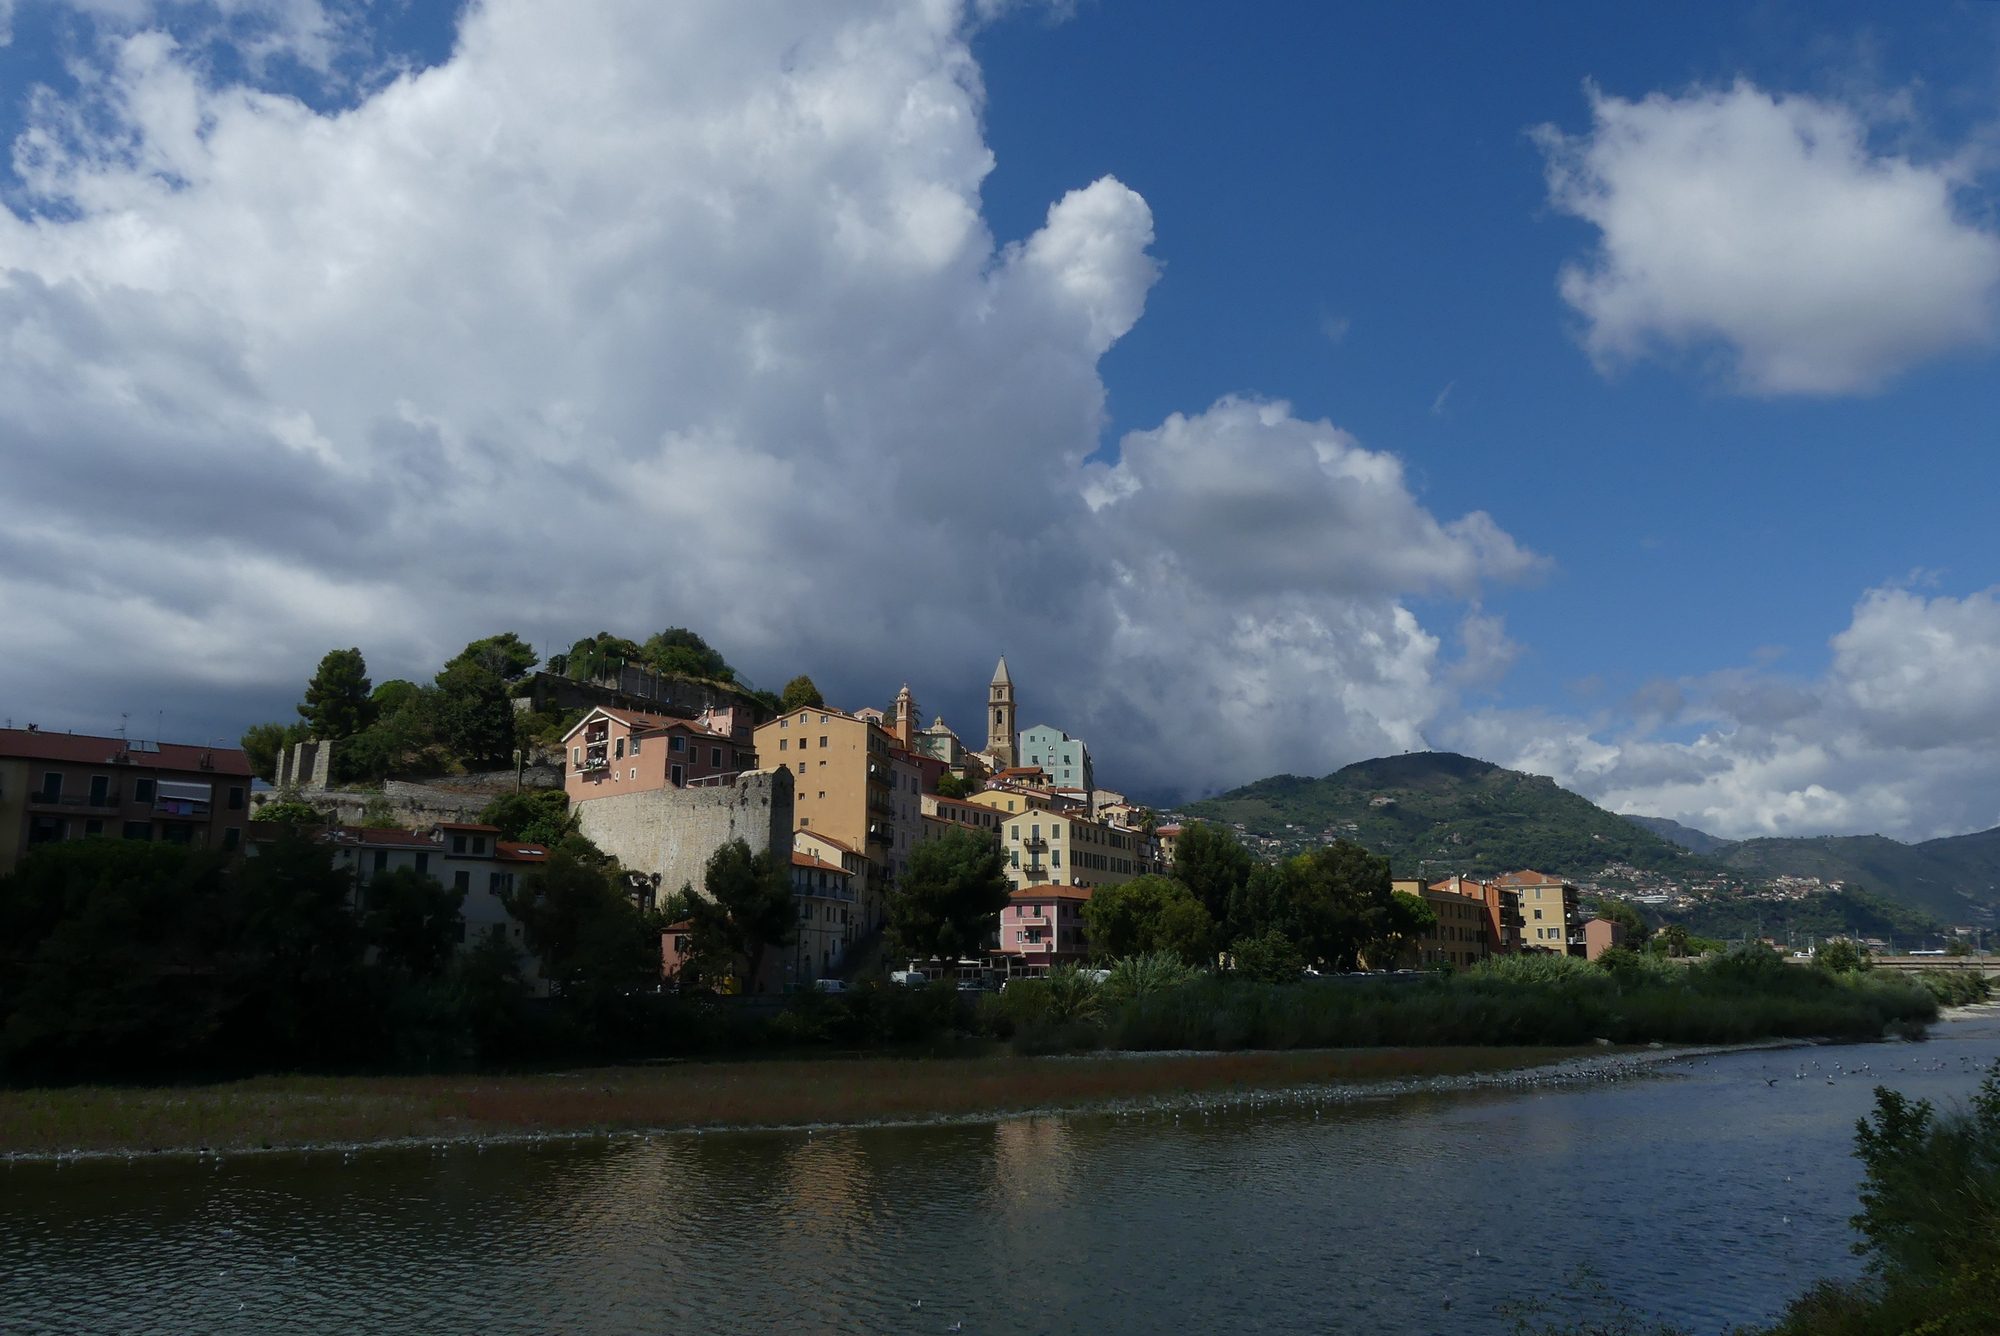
(1852, 912)
(948, 901)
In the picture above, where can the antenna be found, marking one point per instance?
(124, 718)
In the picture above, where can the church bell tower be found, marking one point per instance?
(1000, 715)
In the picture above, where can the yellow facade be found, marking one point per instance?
(1056, 849)
(841, 786)
(1013, 800)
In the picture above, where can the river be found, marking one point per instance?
(1707, 1195)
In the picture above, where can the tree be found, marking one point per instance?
(412, 922)
(263, 744)
(538, 816)
(293, 960)
(1149, 915)
(1209, 862)
(1410, 918)
(956, 786)
(1339, 904)
(506, 655)
(949, 901)
(598, 656)
(286, 809)
(680, 651)
(1841, 955)
(1268, 957)
(1626, 916)
(800, 694)
(475, 715)
(337, 703)
(748, 911)
(592, 944)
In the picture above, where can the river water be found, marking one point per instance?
(1706, 1195)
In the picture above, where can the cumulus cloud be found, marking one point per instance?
(1898, 736)
(631, 315)
(1766, 225)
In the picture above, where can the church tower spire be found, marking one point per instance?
(1000, 715)
(905, 721)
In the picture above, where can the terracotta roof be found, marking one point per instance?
(821, 835)
(526, 853)
(1048, 892)
(469, 825)
(807, 860)
(378, 837)
(34, 744)
(1529, 878)
(1166, 830)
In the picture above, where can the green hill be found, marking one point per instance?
(1435, 813)
(1950, 878)
(1687, 837)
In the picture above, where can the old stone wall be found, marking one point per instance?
(671, 832)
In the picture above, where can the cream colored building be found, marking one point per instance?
(1550, 918)
(1059, 849)
(962, 812)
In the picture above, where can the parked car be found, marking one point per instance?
(829, 985)
(910, 978)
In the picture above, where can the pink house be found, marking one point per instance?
(628, 751)
(1043, 926)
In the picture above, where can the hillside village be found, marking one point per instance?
(658, 770)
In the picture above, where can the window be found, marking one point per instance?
(423, 865)
(822, 793)
(822, 740)
(1055, 858)
(458, 844)
(100, 790)
(236, 799)
(576, 757)
(635, 744)
(496, 882)
(461, 881)
(677, 743)
(479, 845)
(633, 773)
(1538, 913)
(618, 750)
(51, 786)
(231, 836)
(784, 744)
(822, 719)
(381, 860)
(802, 767)
(142, 790)
(715, 757)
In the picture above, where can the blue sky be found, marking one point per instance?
(1605, 391)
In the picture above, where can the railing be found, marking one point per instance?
(1034, 842)
(712, 781)
(809, 893)
(43, 798)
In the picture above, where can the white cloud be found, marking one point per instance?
(1766, 224)
(1898, 735)
(632, 315)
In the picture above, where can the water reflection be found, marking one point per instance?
(1709, 1197)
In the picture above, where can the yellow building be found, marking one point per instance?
(1458, 938)
(962, 812)
(843, 786)
(1013, 798)
(1063, 849)
(1550, 919)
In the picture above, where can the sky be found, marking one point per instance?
(1609, 392)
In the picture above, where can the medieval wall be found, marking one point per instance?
(672, 832)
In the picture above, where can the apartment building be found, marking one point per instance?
(829, 918)
(1066, 760)
(1503, 911)
(1550, 918)
(70, 786)
(962, 812)
(1458, 938)
(1065, 849)
(846, 785)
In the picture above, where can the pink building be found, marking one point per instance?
(1600, 935)
(1043, 926)
(628, 751)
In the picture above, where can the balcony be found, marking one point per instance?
(112, 799)
(1034, 842)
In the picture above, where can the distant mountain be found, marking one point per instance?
(1687, 837)
(1947, 877)
(1435, 813)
